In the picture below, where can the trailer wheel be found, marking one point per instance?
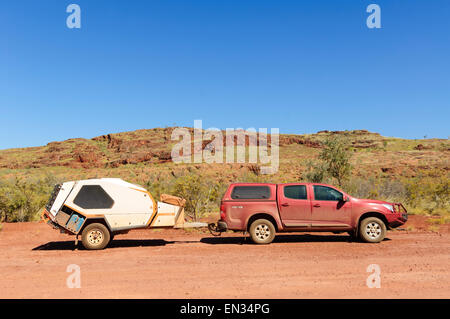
(95, 236)
(262, 231)
(372, 230)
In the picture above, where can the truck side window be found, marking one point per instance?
(250, 192)
(295, 191)
(326, 193)
(93, 197)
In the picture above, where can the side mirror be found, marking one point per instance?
(345, 198)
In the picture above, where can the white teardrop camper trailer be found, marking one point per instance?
(97, 209)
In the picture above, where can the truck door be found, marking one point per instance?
(294, 205)
(329, 208)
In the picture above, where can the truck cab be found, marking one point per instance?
(263, 209)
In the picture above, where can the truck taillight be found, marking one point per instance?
(222, 211)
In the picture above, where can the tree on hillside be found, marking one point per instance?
(316, 171)
(334, 161)
(197, 191)
(337, 158)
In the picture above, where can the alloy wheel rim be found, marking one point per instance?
(373, 230)
(262, 231)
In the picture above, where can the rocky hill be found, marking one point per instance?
(138, 154)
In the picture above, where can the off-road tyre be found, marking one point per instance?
(95, 236)
(262, 231)
(372, 230)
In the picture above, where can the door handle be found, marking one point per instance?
(285, 204)
(316, 205)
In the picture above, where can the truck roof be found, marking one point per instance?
(268, 184)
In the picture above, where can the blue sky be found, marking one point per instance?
(300, 66)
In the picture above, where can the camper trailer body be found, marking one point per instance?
(117, 205)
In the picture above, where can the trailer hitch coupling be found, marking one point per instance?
(217, 229)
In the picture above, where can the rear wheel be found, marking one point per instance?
(372, 230)
(262, 231)
(95, 236)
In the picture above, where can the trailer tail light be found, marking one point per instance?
(222, 212)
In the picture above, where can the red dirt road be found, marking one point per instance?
(181, 264)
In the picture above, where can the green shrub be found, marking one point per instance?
(202, 194)
(159, 184)
(334, 162)
(21, 200)
(421, 195)
(199, 193)
(316, 172)
(337, 158)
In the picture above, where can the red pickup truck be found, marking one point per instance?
(265, 209)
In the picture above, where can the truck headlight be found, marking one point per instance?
(389, 207)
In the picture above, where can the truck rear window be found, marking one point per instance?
(250, 192)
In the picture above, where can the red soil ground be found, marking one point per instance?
(193, 264)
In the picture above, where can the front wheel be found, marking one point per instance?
(262, 231)
(95, 236)
(372, 230)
